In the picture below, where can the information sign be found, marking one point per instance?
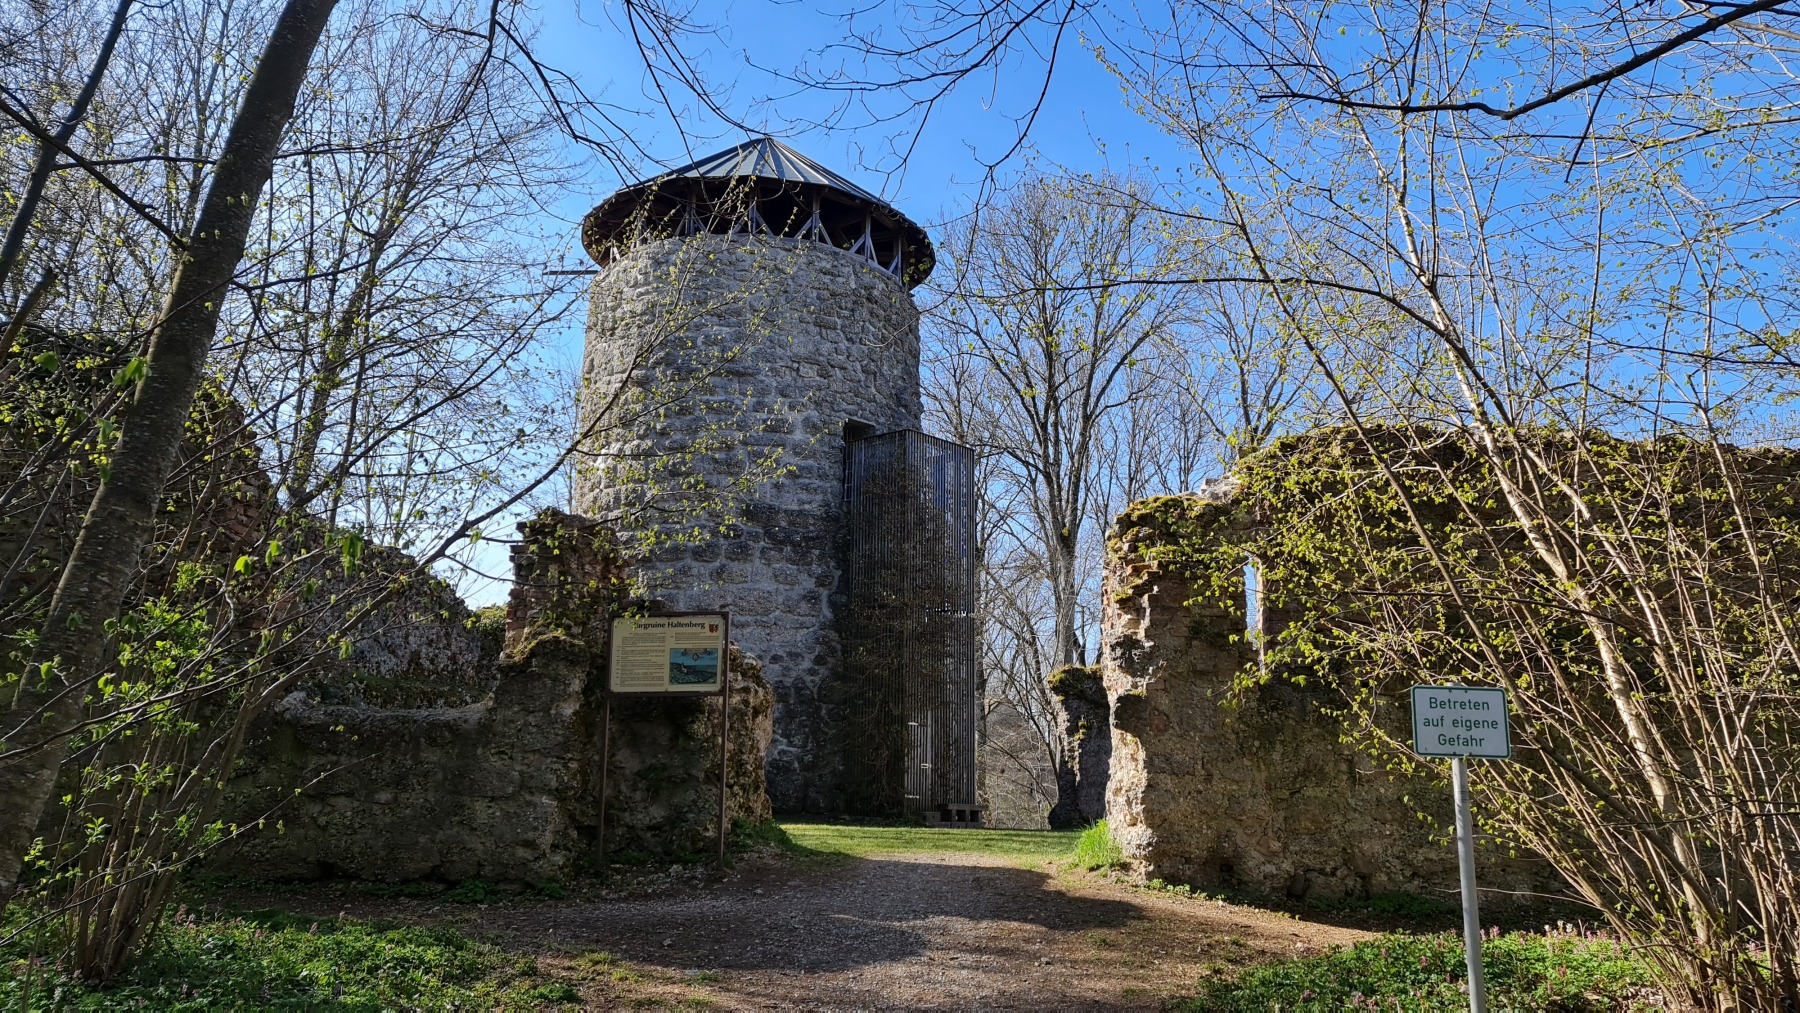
(669, 653)
(1461, 721)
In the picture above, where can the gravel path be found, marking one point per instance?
(902, 931)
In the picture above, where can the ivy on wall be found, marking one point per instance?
(1634, 597)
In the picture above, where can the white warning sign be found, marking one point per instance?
(1461, 721)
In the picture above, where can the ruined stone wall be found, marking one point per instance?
(732, 351)
(1087, 747)
(492, 790)
(1251, 791)
(664, 784)
(505, 787)
(218, 502)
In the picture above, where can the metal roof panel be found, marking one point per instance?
(766, 158)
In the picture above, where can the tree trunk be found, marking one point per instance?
(1064, 596)
(1085, 730)
(119, 522)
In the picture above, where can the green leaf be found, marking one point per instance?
(133, 371)
(352, 550)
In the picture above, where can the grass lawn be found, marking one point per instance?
(865, 841)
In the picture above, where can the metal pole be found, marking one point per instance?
(724, 750)
(605, 763)
(1465, 848)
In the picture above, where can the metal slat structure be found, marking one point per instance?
(760, 187)
(767, 158)
(910, 632)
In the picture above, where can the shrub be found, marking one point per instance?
(748, 834)
(490, 622)
(1657, 615)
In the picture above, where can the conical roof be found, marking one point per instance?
(766, 158)
(839, 212)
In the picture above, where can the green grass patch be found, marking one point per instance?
(746, 835)
(275, 960)
(1525, 973)
(867, 841)
(1096, 849)
(595, 959)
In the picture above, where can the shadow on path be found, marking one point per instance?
(873, 911)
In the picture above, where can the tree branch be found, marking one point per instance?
(1644, 58)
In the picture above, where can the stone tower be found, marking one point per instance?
(752, 312)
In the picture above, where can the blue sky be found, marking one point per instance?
(1084, 124)
(1545, 218)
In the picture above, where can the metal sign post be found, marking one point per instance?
(1463, 723)
(1465, 859)
(724, 758)
(669, 654)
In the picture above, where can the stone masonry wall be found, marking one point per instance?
(752, 348)
(504, 788)
(1087, 747)
(492, 790)
(1255, 793)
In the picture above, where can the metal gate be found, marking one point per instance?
(910, 627)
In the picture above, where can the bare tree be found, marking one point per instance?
(25, 211)
(1024, 751)
(49, 695)
(196, 278)
(390, 356)
(1556, 275)
(1054, 353)
(1040, 361)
